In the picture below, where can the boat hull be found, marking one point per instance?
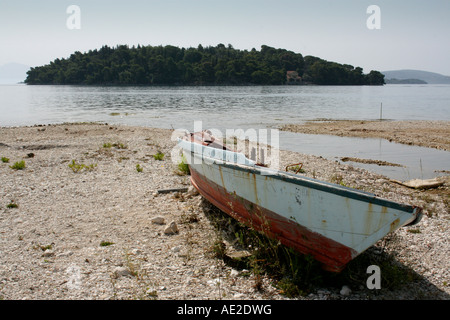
(332, 223)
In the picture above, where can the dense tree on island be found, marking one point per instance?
(219, 65)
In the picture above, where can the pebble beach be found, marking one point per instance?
(87, 218)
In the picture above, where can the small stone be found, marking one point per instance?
(136, 252)
(171, 229)
(345, 291)
(215, 282)
(65, 254)
(158, 220)
(121, 272)
(152, 292)
(48, 253)
(192, 191)
(176, 249)
(234, 273)
(323, 292)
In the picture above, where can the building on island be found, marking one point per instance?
(292, 77)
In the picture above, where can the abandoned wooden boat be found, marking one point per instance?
(331, 222)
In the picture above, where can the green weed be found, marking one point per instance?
(183, 167)
(77, 167)
(46, 247)
(117, 145)
(12, 205)
(106, 243)
(18, 165)
(159, 156)
(296, 169)
(120, 145)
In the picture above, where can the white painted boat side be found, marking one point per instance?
(354, 221)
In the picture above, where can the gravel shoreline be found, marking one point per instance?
(104, 232)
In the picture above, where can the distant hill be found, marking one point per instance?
(11, 73)
(428, 77)
(405, 81)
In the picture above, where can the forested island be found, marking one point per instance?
(219, 65)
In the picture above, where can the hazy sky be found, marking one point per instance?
(414, 34)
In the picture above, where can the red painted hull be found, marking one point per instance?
(332, 254)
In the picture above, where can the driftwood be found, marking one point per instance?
(421, 184)
(173, 190)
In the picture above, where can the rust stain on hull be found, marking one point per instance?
(394, 225)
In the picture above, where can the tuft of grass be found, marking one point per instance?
(159, 156)
(288, 288)
(46, 247)
(117, 145)
(18, 165)
(120, 145)
(12, 205)
(218, 248)
(183, 167)
(106, 243)
(337, 179)
(296, 169)
(139, 168)
(5, 160)
(77, 167)
(114, 114)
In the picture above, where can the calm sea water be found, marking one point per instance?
(247, 107)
